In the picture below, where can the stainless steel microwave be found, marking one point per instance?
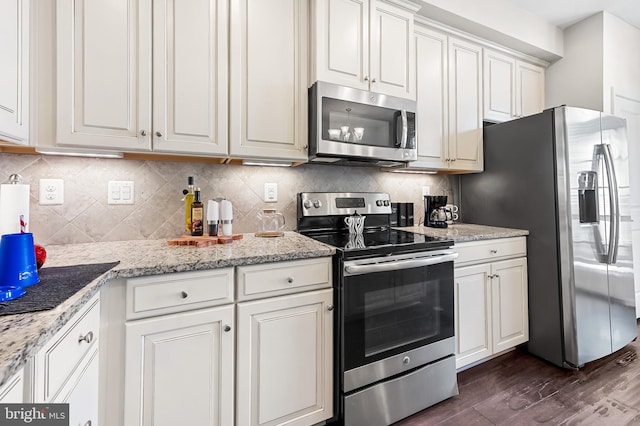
(356, 126)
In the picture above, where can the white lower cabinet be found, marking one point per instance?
(179, 369)
(13, 391)
(179, 350)
(491, 303)
(285, 359)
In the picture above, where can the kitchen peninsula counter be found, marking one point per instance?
(463, 232)
(22, 335)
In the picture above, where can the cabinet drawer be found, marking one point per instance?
(278, 278)
(177, 292)
(490, 250)
(56, 362)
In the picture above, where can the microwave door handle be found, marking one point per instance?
(614, 234)
(405, 129)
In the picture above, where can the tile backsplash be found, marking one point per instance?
(158, 211)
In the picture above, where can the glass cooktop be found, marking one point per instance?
(379, 242)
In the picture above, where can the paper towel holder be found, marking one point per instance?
(15, 179)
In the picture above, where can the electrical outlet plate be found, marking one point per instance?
(120, 192)
(271, 192)
(51, 192)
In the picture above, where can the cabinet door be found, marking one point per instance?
(341, 41)
(82, 393)
(13, 390)
(104, 74)
(530, 89)
(472, 294)
(499, 86)
(509, 304)
(14, 71)
(190, 60)
(432, 102)
(179, 369)
(285, 360)
(465, 105)
(392, 55)
(268, 77)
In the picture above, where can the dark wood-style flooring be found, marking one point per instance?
(519, 389)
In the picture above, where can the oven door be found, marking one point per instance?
(396, 307)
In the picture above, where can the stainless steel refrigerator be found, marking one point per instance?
(563, 175)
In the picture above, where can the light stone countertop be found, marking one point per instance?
(22, 335)
(464, 232)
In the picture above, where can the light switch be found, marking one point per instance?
(271, 192)
(120, 192)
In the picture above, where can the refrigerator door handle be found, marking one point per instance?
(614, 234)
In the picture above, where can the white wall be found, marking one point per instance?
(577, 79)
(499, 21)
(621, 59)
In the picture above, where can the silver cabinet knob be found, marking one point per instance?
(86, 338)
(493, 251)
(184, 294)
(496, 276)
(330, 308)
(159, 134)
(227, 328)
(366, 78)
(142, 133)
(406, 360)
(373, 80)
(88, 423)
(289, 280)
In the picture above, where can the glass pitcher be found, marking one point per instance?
(270, 221)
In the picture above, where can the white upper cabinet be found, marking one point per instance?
(449, 102)
(529, 89)
(465, 106)
(142, 75)
(512, 88)
(14, 71)
(432, 98)
(190, 77)
(269, 79)
(365, 44)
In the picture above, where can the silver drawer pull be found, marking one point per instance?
(330, 308)
(88, 423)
(227, 328)
(290, 280)
(493, 251)
(86, 338)
(184, 294)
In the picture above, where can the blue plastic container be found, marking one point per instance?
(18, 261)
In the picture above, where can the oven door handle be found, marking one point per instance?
(394, 265)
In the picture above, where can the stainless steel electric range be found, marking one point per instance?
(394, 299)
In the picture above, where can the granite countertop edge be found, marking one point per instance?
(23, 335)
(466, 232)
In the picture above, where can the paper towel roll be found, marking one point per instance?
(14, 207)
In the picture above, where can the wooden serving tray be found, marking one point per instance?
(203, 241)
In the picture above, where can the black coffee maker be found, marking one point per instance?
(435, 214)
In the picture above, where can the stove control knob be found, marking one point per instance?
(317, 204)
(379, 203)
(307, 204)
(386, 203)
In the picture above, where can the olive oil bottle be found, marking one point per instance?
(197, 215)
(188, 201)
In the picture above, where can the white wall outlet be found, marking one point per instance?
(120, 192)
(426, 190)
(51, 191)
(271, 192)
